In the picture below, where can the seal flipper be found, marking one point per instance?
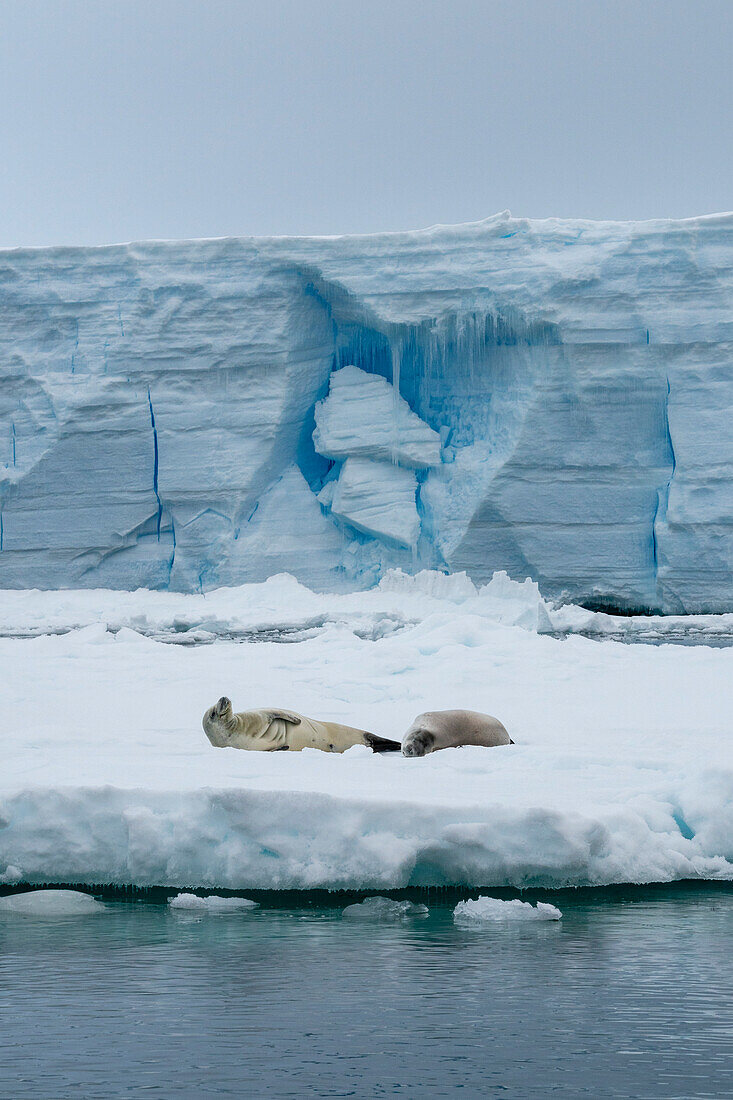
(284, 716)
(381, 744)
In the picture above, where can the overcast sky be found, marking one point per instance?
(124, 120)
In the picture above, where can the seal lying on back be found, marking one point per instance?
(276, 730)
(448, 729)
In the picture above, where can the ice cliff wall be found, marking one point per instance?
(561, 396)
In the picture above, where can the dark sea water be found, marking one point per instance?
(630, 995)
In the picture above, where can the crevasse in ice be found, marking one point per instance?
(193, 414)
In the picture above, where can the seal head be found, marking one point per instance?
(217, 722)
(418, 742)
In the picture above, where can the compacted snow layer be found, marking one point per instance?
(158, 403)
(483, 910)
(622, 769)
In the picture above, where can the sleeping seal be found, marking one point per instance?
(276, 730)
(448, 729)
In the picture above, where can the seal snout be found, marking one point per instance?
(218, 723)
(416, 744)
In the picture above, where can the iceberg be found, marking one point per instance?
(384, 909)
(50, 903)
(179, 415)
(211, 904)
(482, 911)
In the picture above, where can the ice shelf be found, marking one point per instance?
(562, 389)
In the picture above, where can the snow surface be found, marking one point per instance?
(483, 910)
(212, 904)
(622, 769)
(384, 909)
(158, 403)
(50, 903)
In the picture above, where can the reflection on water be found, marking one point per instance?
(627, 996)
(690, 637)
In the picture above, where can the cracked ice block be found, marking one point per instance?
(364, 417)
(378, 499)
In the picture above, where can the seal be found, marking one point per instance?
(277, 730)
(448, 729)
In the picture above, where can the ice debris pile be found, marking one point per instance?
(545, 397)
(483, 910)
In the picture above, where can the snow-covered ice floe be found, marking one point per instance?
(379, 908)
(483, 910)
(50, 903)
(212, 904)
(621, 772)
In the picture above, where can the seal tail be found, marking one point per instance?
(381, 744)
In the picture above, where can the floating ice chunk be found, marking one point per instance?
(364, 417)
(582, 800)
(50, 903)
(481, 910)
(378, 499)
(212, 904)
(379, 908)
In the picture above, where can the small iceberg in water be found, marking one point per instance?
(484, 910)
(50, 903)
(211, 904)
(379, 908)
